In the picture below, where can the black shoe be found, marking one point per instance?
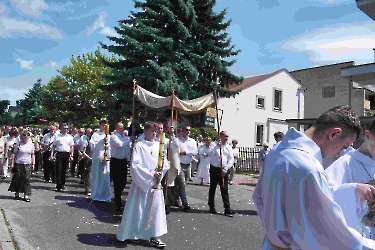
(187, 208)
(81, 182)
(229, 212)
(119, 209)
(167, 210)
(212, 210)
(17, 197)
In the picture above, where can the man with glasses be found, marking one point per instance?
(219, 170)
(63, 145)
(48, 166)
(188, 149)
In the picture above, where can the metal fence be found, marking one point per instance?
(248, 159)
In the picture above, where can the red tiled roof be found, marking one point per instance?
(247, 82)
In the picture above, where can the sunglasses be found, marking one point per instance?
(66, 128)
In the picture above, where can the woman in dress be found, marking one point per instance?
(204, 164)
(11, 141)
(24, 159)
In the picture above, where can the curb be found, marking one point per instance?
(6, 242)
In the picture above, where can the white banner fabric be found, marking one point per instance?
(189, 106)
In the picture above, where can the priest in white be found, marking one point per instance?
(357, 166)
(144, 214)
(294, 199)
(100, 171)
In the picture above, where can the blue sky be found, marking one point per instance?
(39, 36)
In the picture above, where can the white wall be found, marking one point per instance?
(241, 115)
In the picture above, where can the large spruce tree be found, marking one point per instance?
(179, 44)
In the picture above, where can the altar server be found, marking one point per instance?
(357, 166)
(100, 185)
(294, 199)
(144, 214)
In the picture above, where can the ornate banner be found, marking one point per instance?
(189, 106)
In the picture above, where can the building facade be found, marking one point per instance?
(261, 108)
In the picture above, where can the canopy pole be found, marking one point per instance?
(218, 134)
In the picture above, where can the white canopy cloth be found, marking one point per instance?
(187, 106)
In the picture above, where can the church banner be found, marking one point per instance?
(185, 106)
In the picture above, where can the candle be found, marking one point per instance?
(161, 151)
(106, 128)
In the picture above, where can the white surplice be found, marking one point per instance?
(204, 163)
(100, 184)
(354, 167)
(295, 201)
(144, 214)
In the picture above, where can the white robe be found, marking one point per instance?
(144, 215)
(100, 184)
(204, 163)
(351, 168)
(295, 201)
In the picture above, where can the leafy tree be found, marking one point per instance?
(3, 106)
(166, 45)
(31, 106)
(76, 91)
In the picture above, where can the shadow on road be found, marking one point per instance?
(108, 240)
(10, 197)
(103, 211)
(246, 212)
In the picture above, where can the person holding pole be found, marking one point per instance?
(221, 159)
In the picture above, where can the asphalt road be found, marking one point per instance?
(71, 221)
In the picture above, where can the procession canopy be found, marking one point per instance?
(184, 106)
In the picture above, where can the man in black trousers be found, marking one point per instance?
(120, 157)
(63, 146)
(48, 165)
(217, 173)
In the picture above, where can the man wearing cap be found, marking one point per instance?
(262, 156)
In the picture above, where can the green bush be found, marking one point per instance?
(205, 132)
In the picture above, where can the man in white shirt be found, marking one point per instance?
(48, 165)
(219, 171)
(295, 199)
(63, 145)
(236, 154)
(188, 149)
(120, 158)
(73, 164)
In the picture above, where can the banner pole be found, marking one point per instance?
(169, 146)
(133, 114)
(219, 140)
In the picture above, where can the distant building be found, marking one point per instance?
(262, 107)
(14, 110)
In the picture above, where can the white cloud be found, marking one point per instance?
(30, 7)
(9, 26)
(52, 65)
(99, 23)
(336, 43)
(24, 64)
(3, 7)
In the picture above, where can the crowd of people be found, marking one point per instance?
(99, 157)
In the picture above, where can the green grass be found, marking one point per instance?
(15, 245)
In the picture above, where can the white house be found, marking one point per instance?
(261, 108)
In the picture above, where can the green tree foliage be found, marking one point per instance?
(32, 105)
(168, 44)
(205, 132)
(4, 106)
(74, 96)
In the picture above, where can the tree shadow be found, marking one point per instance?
(103, 211)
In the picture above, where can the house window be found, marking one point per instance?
(259, 134)
(260, 102)
(277, 99)
(328, 91)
